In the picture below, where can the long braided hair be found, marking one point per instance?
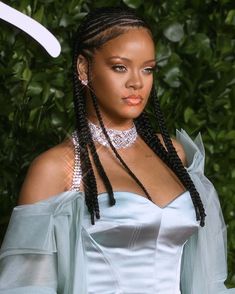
(98, 27)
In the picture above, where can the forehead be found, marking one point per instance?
(134, 43)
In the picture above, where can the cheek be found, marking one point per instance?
(148, 85)
(108, 84)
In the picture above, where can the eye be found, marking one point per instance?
(119, 68)
(149, 70)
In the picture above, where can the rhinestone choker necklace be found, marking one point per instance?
(119, 139)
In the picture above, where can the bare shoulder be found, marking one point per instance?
(48, 174)
(180, 151)
(178, 147)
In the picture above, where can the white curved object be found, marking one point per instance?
(32, 28)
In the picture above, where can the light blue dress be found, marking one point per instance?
(136, 247)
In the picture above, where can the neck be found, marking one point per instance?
(115, 124)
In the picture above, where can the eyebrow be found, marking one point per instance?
(127, 59)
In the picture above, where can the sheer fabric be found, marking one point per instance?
(43, 252)
(204, 264)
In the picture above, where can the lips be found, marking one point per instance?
(133, 100)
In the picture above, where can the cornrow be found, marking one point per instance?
(97, 28)
(104, 24)
(103, 18)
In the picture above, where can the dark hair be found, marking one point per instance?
(98, 27)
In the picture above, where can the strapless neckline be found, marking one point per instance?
(141, 198)
(137, 232)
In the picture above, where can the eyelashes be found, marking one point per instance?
(119, 68)
(122, 68)
(151, 69)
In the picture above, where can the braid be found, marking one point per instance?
(85, 141)
(171, 158)
(87, 171)
(90, 186)
(97, 28)
(101, 172)
(113, 148)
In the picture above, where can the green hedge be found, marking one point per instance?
(195, 80)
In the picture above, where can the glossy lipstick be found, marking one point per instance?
(133, 100)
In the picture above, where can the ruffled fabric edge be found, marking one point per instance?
(32, 227)
(204, 262)
(51, 227)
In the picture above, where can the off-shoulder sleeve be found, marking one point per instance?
(38, 251)
(204, 263)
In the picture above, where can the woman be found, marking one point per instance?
(114, 210)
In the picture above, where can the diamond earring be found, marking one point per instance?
(84, 82)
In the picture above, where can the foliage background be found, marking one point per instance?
(195, 80)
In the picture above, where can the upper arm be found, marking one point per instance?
(45, 178)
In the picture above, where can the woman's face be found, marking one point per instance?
(122, 77)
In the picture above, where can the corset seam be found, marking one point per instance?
(86, 236)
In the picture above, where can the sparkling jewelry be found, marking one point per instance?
(119, 139)
(84, 82)
(77, 171)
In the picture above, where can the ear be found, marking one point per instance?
(82, 67)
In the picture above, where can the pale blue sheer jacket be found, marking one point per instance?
(43, 252)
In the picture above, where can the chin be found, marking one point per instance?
(133, 113)
(123, 114)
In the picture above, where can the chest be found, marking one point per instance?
(152, 172)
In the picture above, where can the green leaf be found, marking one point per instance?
(39, 14)
(225, 44)
(198, 45)
(56, 120)
(133, 3)
(212, 133)
(172, 77)
(174, 32)
(26, 76)
(163, 54)
(34, 89)
(231, 135)
(230, 19)
(188, 113)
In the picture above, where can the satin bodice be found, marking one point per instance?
(136, 246)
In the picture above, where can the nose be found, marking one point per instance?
(134, 80)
